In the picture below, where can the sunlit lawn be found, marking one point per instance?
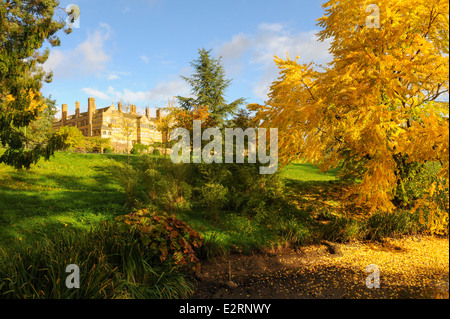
(74, 190)
(70, 190)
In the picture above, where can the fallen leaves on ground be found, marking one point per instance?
(411, 267)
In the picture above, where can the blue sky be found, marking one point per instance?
(136, 50)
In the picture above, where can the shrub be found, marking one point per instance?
(342, 229)
(294, 232)
(415, 180)
(381, 225)
(213, 197)
(128, 179)
(165, 236)
(156, 152)
(138, 148)
(248, 192)
(165, 184)
(229, 187)
(143, 257)
(211, 247)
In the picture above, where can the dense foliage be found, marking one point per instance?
(208, 86)
(140, 255)
(24, 27)
(375, 109)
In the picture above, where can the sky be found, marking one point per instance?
(137, 50)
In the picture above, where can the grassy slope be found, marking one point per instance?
(73, 190)
(70, 190)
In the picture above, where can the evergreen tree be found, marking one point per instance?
(24, 26)
(41, 130)
(208, 85)
(242, 119)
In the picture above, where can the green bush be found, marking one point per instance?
(215, 187)
(211, 247)
(138, 148)
(128, 179)
(156, 152)
(141, 256)
(249, 193)
(165, 183)
(342, 229)
(381, 225)
(213, 197)
(167, 237)
(294, 232)
(415, 180)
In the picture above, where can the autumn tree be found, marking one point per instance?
(166, 122)
(72, 137)
(127, 124)
(208, 86)
(375, 108)
(98, 144)
(41, 129)
(24, 27)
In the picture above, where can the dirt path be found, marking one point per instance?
(412, 267)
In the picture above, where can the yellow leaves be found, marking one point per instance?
(373, 101)
(28, 100)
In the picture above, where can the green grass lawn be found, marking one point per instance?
(307, 173)
(75, 190)
(70, 190)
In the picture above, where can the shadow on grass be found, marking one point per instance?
(33, 203)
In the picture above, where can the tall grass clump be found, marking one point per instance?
(140, 255)
(295, 233)
(342, 229)
(396, 224)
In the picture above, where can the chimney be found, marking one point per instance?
(147, 113)
(64, 114)
(158, 113)
(120, 107)
(91, 105)
(77, 112)
(133, 109)
(91, 111)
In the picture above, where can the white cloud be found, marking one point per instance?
(159, 95)
(275, 27)
(144, 58)
(113, 75)
(88, 58)
(96, 93)
(232, 52)
(257, 52)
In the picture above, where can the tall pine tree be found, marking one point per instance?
(208, 85)
(24, 27)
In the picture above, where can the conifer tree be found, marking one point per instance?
(208, 85)
(24, 27)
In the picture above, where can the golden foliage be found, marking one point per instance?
(375, 102)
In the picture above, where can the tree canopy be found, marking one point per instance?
(24, 27)
(375, 108)
(208, 86)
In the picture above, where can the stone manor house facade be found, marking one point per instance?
(108, 122)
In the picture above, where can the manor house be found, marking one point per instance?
(113, 122)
